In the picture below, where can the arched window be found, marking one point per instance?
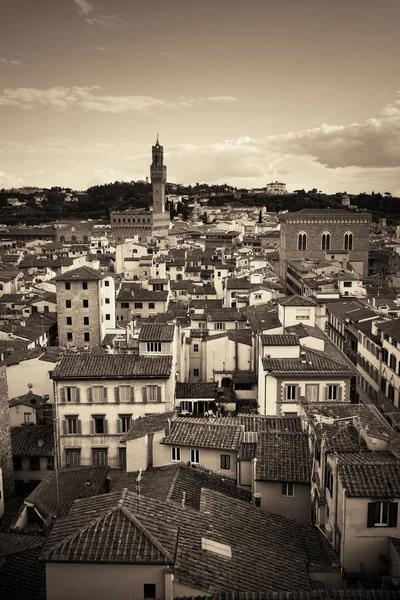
(348, 240)
(302, 241)
(326, 241)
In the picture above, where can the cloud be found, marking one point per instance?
(90, 98)
(7, 181)
(100, 48)
(92, 17)
(374, 143)
(6, 61)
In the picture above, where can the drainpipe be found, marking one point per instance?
(343, 532)
(253, 478)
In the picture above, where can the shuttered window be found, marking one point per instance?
(382, 514)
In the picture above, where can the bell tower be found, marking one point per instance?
(158, 174)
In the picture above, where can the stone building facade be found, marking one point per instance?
(85, 307)
(329, 235)
(6, 462)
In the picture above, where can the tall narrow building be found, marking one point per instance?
(6, 463)
(158, 173)
(141, 222)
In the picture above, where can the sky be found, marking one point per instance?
(241, 92)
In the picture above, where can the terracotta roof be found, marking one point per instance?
(28, 399)
(14, 543)
(195, 390)
(320, 553)
(241, 336)
(313, 362)
(296, 301)
(283, 457)
(203, 435)
(225, 314)
(262, 317)
(370, 480)
(81, 274)
(252, 422)
(73, 483)
(240, 283)
(391, 328)
(32, 440)
(351, 309)
(244, 377)
(169, 482)
(23, 575)
(95, 526)
(112, 366)
(133, 292)
(322, 594)
(155, 332)
(150, 424)
(279, 340)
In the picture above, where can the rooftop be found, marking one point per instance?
(283, 457)
(112, 366)
(32, 440)
(147, 425)
(188, 432)
(155, 332)
(311, 362)
(81, 274)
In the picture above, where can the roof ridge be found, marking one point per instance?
(135, 521)
(173, 483)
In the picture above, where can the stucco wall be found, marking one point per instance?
(101, 582)
(209, 458)
(34, 371)
(296, 507)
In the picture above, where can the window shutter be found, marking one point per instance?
(92, 426)
(62, 394)
(144, 394)
(116, 395)
(340, 389)
(326, 392)
(297, 393)
(118, 425)
(393, 506)
(159, 393)
(132, 394)
(371, 514)
(79, 426)
(105, 394)
(90, 395)
(78, 395)
(64, 427)
(105, 426)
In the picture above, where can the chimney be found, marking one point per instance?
(257, 500)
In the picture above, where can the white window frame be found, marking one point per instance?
(289, 397)
(194, 456)
(175, 454)
(98, 393)
(220, 326)
(72, 425)
(154, 346)
(124, 393)
(333, 387)
(381, 522)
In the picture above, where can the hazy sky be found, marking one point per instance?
(240, 91)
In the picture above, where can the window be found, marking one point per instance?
(125, 393)
(332, 392)
(70, 394)
(98, 393)
(385, 356)
(291, 392)
(73, 457)
(329, 479)
(348, 241)
(108, 317)
(99, 457)
(383, 385)
(68, 304)
(69, 336)
(124, 423)
(149, 591)
(219, 325)
(107, 283)
(67, 285)
(71, 425)
(194, 456)
(326, 241)
(86, 320)
(302, 241)
(86, 336)
(390, 392)
(69, 320)
(393, 362)
(84, 285)
(85, 303)
(225, 462)
(175, 454)
(50, 463)
(107, 300)
(122, 458)
(99, 425)
(196, 372)
(287, 488)
(195, 347)
(17, 463)
(382, 514)
(152, 305)
(27, 418)
(154, 347)
(138, 304)
(34, 463)
(152, 393)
